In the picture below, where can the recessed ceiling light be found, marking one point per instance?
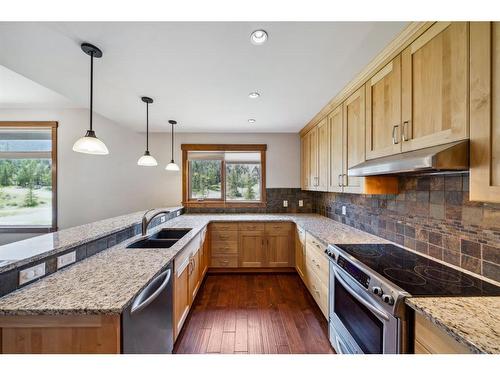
(254, 95)
(251, 120)
(258, 37)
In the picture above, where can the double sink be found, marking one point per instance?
(164, 239)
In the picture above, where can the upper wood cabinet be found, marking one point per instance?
(383, 111)
(314, 147)
(435, 87)
(336, 130)
(304, 156)
(485, 111)
(323, 155)
(354, 139)
(313, 158)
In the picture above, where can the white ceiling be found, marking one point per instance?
(198, 73)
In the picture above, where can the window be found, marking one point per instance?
(224, 175)
(28, 176)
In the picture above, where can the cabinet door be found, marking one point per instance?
(300, 251)
(354, 139)
(383, 111)
(194, 276)
(181, 298)
(485, 111)
(323, 156)
(251, 249)
(313, 159)
(305, 160)
(435, 87)
(335, 124)
(278, 251)
(204, 257)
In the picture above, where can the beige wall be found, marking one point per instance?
(91, 187)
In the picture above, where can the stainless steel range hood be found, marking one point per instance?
(450, 157)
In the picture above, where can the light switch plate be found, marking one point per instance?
(301, 203)
(32, 273)
(285, 203)
(162, 219)
(66, 259)
(343, 210)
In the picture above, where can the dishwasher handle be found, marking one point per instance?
(147, 296)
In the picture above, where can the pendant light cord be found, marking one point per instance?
(147, 127)
(172, 142)
(91, 85)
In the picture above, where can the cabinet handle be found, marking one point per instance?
(344, 181)
(340, 180)
(404, 131)
(394, 140)
(223, 237)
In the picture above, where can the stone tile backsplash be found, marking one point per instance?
(432, 215)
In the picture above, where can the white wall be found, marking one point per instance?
(92, 187)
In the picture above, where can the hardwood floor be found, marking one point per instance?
(254, 313)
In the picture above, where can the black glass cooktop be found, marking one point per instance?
(418, 275)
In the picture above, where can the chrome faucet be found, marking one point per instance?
(146, 221)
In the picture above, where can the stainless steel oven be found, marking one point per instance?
(367, 313)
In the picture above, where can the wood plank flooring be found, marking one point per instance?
(256, 314)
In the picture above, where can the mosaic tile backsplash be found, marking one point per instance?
(432, 215)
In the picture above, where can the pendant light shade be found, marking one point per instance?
(90, 144)
(147, 160)
(172, 166)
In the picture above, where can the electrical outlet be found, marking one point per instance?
(66, 259)
(163, 218)
(285, 203)
(178, 213)
(343, 210)
(32, 273)
(301, 203)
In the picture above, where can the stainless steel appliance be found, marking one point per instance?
(368, 287)
(147, 322)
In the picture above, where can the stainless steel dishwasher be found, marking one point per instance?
(147, 322)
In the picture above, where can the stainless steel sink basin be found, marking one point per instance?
(163, 239)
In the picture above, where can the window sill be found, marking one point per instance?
(221, 204)
(14, 229)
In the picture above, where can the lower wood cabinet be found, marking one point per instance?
(300, 251)
(182, 299)
(252, 249)
(430, 339)
(316, 273)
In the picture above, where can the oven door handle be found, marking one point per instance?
(378, 312)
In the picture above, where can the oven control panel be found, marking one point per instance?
(354, 271)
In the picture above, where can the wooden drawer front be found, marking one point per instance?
(314, 244)
(319, 291)
(224, 226)
(182, 259)
(251, 226)
(278, 227)
(434, 340)
(226, 261)
(218, 235)
(224, 247)
(318, 264)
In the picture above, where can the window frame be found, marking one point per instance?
(52, 125)
(222, 203)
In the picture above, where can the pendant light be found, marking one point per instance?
(172, 166)
(90, 144)
(147, 160)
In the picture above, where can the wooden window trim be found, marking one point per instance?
(38, 124)
(262, 148)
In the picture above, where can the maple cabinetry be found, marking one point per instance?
(317, 272)
(485, 111)
(300, 251)
(314, 148)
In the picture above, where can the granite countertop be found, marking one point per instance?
(472, 321)
(108, 281)
(19, 253)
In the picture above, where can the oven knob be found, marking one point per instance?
(388, 299)
(377, 290)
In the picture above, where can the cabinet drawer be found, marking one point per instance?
(251, 226)
(278, 227)
(224, 247)
(218, 235)
(318, 264)
(318, 290)
(314, 244)
(229, 261)
(224, 226)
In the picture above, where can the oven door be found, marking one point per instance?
(358, 322)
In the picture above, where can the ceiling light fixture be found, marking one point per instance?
(172, 166)
(90, 144)
(254, 95)
(251, 120)
(258, 37)
(147, 160)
